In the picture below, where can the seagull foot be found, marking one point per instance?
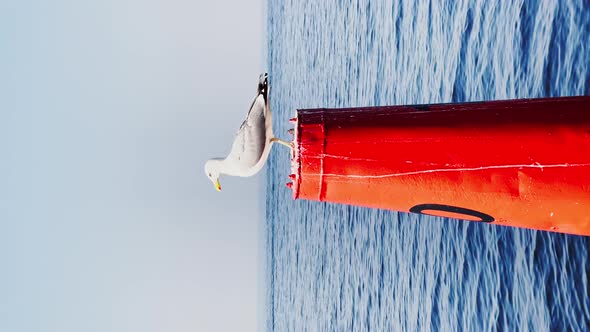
(276, 140)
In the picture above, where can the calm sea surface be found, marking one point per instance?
(342, 268)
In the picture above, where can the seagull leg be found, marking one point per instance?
(276, 140)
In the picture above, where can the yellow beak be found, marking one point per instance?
(217, 185)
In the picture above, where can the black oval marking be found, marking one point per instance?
(484, 217)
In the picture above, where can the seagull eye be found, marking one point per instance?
(209, 174)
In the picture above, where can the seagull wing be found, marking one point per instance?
(250, 139)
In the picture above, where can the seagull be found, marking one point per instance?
(252, 143)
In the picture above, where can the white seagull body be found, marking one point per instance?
(252, 143)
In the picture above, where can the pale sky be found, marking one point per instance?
(108, 110)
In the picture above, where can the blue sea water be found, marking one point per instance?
(342, 268)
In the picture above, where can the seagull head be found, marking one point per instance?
(212, 171)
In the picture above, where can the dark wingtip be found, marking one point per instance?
(263, 86)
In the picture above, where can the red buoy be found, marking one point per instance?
(523, 163)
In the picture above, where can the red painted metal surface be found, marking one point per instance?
(523, 163)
